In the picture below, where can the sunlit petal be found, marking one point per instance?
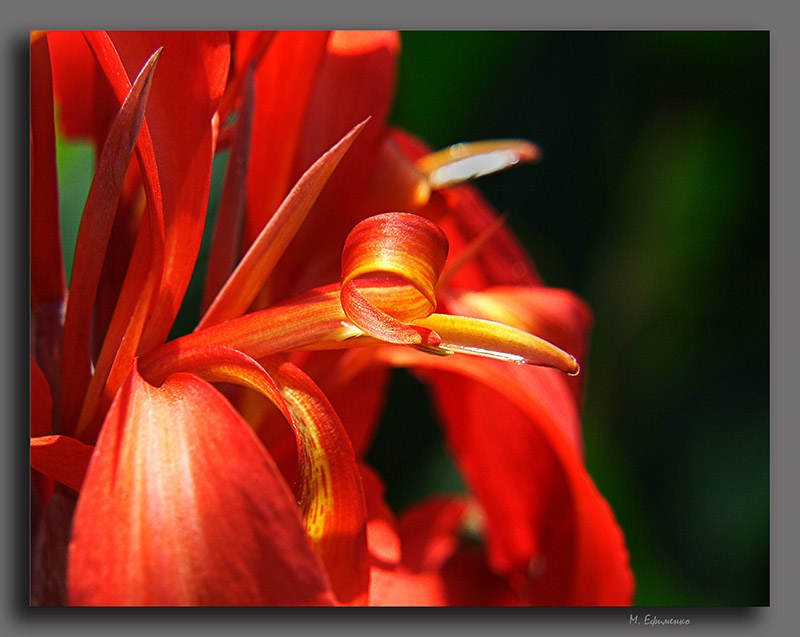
(182, 505)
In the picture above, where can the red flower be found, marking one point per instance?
(183, 488)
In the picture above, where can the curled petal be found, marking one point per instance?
(182, 505)
(409, 248)
(407, 245)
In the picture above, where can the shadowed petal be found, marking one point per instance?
(47, 264)
(514, 432)
(183, 506)
(61, 458)
(95, 229)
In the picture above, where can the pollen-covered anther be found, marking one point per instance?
(469, 160)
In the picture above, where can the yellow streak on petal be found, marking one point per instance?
(466, 335)
(468, 160)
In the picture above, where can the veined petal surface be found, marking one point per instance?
(182, 505)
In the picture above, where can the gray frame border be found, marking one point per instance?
(777, 17)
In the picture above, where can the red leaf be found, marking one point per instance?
(47, 264)
(62, 458)
(93, 236)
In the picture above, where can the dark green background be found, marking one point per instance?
(652, 202)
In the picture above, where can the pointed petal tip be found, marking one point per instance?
(575, 369)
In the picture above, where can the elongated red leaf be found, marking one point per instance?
(47, 263)
(95, 229)
(227, 239)
(192, 70)
(183, 506)
(252, 272)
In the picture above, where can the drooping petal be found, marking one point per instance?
(328, 484)
(182, 505)
(556, 315)
(250, 275)
(514, 432)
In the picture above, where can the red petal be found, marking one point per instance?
(47, 264)
(62, 458)
(355, 81)
(93, 236)
(464, 214)
(195, 72)
(183, 506)
(250, 275)
(514, 432)
(41, 402)
(283, 81)
(328, 485)
(192, 70)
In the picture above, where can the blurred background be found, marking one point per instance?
(652, 202)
